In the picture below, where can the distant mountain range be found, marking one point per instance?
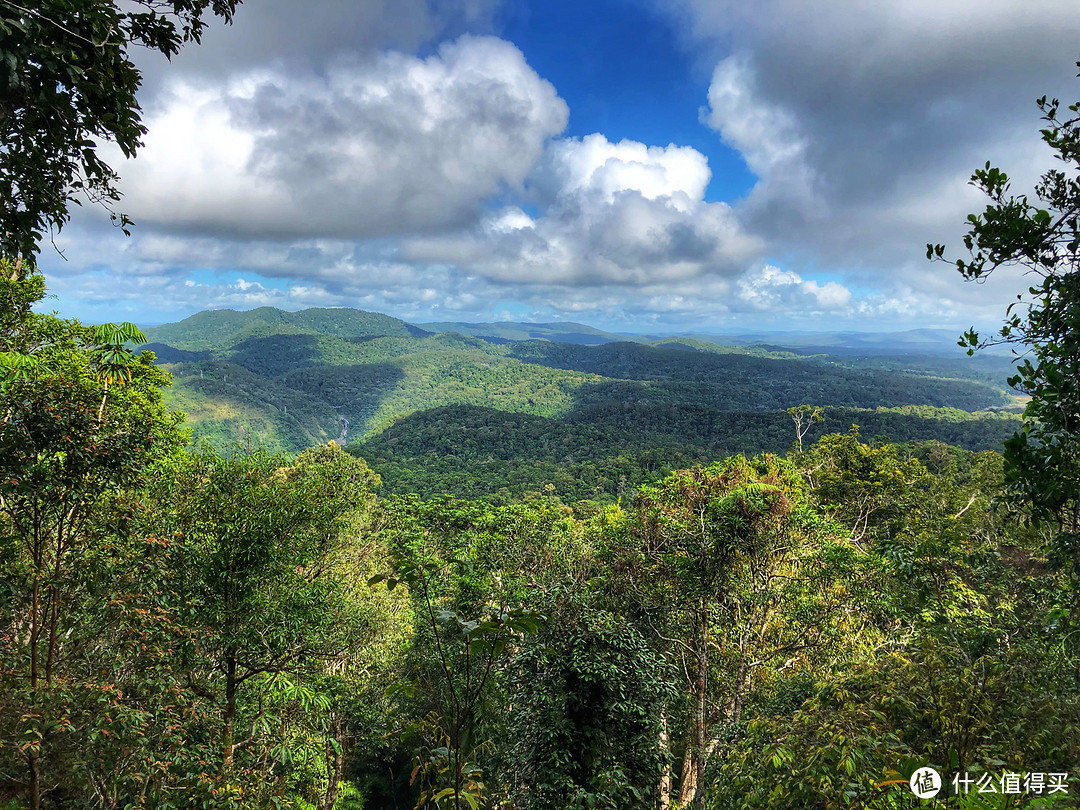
(913, 341)
(287, 380)
(210, 328)
(564, 332)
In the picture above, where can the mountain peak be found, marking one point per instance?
(217, 327)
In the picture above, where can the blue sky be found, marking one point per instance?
(623, 70)
(666, 165)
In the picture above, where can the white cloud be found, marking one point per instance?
(369, 149)
(163, 278)
(769, 138)
(432, 187)
(776, 290)
(596, 169)
(864, 121)
(309, 35)
(767, 135)
(617, 213)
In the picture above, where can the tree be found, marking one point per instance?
(589, 696)
(67, 82)
(70, 450)
(264, 540)
(870, 491)
(706, 546)
(450, 555)
(1042, 463)
(951, 659)
(804, 416)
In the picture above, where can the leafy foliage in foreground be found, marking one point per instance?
(1043, 237)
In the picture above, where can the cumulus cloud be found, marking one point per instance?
(770, 288)
(156, 294)
(302, 36)
(593, 167)
(767, 135)
(368, 149)
(769, 138)
(157, 277)
(615, 213)
(871, 117)
(293, 160)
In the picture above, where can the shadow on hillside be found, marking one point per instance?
(164, 353)
(355, 391)
(276, 354)
(748, 383)
(636, 361)
(722, 432)
(626, 360)
(748, 395)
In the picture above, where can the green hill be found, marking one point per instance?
(911, 341)
(750, 381)
(605, 451)
(288, 380)
(219, 328)
(367, 382)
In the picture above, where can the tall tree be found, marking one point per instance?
(590, 696)
(468, 568)
(263, 536)
(706, 543)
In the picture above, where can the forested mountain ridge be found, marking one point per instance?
(286, 380)
(604, 451)
(910, 341)
(918, 342)
(754, 381)
(252, 631)
(562, 332)
(221, 327)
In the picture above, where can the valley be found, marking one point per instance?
(512, 408)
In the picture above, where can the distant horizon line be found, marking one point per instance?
(647, 331)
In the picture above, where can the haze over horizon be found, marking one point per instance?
(634, 165)
(671, 330)
(919, 340)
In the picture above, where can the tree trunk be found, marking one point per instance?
(229, 714)
(699, 714)
(740, 677)
(687, 778)
(33, 759)
(693, 770)
(35, 780)
(335, 762)
(101, 407)
(664, 788)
